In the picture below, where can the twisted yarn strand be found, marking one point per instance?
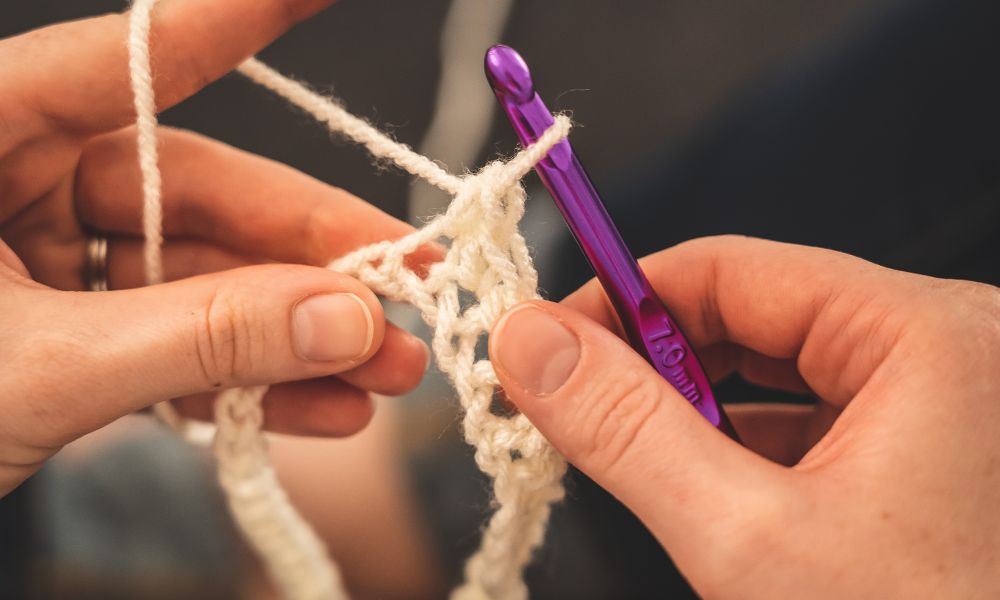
(294, 555)
(340, 121)
(291, 551)
(144, 99)
(487, 259)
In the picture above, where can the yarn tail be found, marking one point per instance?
(293, 553)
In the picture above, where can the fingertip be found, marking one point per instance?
(336, 320)
(397, 368)
(412, 353)
(534, 350)
(335, 327)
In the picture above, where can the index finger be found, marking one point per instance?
(832, 315)
(192, 43)
(216, 193)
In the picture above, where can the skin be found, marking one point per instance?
(888, 487)
(235, 227)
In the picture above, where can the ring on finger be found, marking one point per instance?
(96, 264)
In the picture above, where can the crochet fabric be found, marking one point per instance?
(486, 270)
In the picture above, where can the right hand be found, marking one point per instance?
(895, 478)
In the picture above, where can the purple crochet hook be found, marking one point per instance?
(651, 330)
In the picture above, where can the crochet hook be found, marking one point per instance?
(651, 330)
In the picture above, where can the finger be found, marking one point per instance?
(725, 358)
(66, 266)
(616, 419)
(835, 316)
(720, 358)
(323, 407)
(775, 431)
(181, 259)
(216, 193)
(396, 368)
(11, 261)
(192, 43)
(125, 350)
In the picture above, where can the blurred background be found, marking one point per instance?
(867, 126)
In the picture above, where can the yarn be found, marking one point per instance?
(486, 260)
(144, 98)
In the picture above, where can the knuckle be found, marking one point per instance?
(315, 226)
(981, 321)
(44, 416)
(984, 296)
(967, 306)
(319, 219)
(227, 340)
(197, 73)
(615, 412)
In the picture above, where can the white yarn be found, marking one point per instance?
(144, 98)
(486, 258)
(144, 101)
(292, 552)
(338, 120)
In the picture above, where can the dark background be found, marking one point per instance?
(868, 126)
(637, 75)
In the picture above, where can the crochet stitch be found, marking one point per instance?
(486, 260)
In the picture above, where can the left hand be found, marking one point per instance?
(71, 362)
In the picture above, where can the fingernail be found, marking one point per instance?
(332, 327)
(536, 349)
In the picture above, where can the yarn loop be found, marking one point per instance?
(485, 271)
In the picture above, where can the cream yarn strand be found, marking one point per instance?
(144, 101)
(340, 121)
(486, 259)
(145, 110)
(291, 551)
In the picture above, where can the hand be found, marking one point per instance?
(898, 498)
(71, 362)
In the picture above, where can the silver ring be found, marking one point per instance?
(96, 266)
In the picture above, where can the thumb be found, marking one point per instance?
(612, 416)
(256, 325)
